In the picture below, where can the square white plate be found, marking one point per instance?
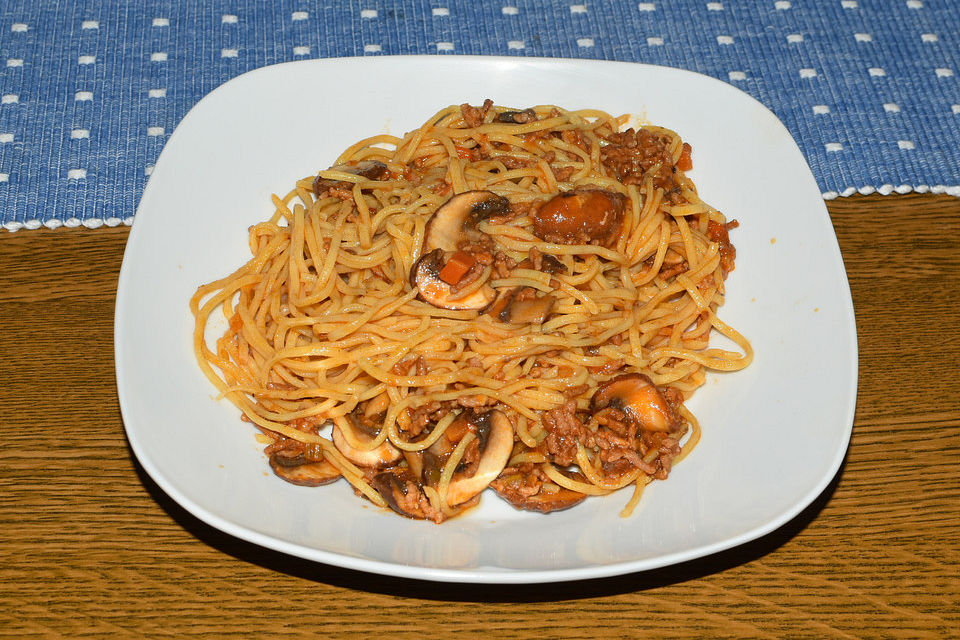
(774, 434)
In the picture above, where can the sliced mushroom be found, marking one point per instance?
(517, 117)
(458, 217)
(294, 467)
(513, 308)
(496, 448)
(370, 169)
(529, 310)
(512, 488)
(501, 304)
(414, 462)
(581, 217)
(431, 466)
(403, 493)
(635, 395)
(425, 276)
(551, 265)
(548, 264)
(382, 456)
(546, 502)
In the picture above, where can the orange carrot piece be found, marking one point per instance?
(457, 267)
(685, 162)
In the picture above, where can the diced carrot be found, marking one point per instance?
(458, 429)
(457, 267)
(685, 162)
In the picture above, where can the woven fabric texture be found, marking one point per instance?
(90, 91)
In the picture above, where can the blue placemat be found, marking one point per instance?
(89, 91)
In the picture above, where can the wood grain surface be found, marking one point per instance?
(90, 547)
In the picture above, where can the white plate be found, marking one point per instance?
(774, 435)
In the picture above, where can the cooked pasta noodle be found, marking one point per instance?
(520, 299)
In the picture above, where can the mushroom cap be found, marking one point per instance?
(581, 216)
(507, 308)
(370, 169)
(639, 399)
(540, 501)
(532, 310)
(459, 215)
(393, 486)
(548, 264)
(297, 470)
(382, 456)
(517, 117)
(492, 461)
(425, 276)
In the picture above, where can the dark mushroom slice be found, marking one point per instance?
(513, 307)
(368, 416)
(582, 216)
(639, 400)
(370, 169)
(293, 466)
(379, 457)
(529, 310)
(546, 502)
(517, 117)
(414, 462)
(425, 276)
(457, 218)
(548, 264)
(431, 467)
(500, 305)
(402, 493)
(511, 487)
(478, 422)
(552, 265)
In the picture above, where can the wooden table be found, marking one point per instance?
(91, 547)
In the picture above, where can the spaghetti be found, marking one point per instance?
(515, 299)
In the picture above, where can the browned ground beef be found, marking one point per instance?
(564, 431)
(473, 116)
(622, 447)
(631, 154)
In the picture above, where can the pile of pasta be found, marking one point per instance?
(520, 299)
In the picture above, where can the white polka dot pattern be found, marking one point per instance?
(89, 95)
